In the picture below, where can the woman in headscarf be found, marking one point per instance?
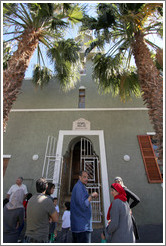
(120, 226)
(13, 217)
(132, 200)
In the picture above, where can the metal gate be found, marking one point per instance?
(51, 161)
(90, 163)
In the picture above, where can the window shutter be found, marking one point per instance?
(5, 164)
(149, 159)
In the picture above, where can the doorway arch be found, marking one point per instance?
(103, 162)
(81, 156)
(80, 148)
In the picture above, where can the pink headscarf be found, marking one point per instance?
(121, 196)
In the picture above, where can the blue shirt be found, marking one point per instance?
(80, 208)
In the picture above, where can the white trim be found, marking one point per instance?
(76, 109)
(103, 163)
(28, 78)
(151, 133)
(7, 156)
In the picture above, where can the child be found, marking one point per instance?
(53, 225)
(66, 222)
(55, 200)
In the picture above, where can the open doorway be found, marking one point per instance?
(75, 165)
(81, 156)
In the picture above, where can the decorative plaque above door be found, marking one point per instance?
(81, 124)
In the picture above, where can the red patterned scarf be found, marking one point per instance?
(121, 196)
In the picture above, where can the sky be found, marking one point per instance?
(70, 33)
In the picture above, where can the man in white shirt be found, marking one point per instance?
(19, 185)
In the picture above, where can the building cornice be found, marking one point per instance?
(76, 109)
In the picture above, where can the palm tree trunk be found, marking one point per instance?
(152, 87)
(15, 72)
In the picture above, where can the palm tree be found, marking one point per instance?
(125, 27)
(6, 54)
(33, 24)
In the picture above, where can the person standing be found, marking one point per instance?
(23, 229)
(132, 200)
(120, 226)
(18, 185)
(55, 200)
(39, 209)
(49, 191)
(13, 217)
(130, 195)
(81, 211)
(66, 223)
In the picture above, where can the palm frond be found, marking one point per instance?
(75, 15)
(57, 23)
(68, 75)
(6, 53)
(129, 86)
(93, 44)
(41, 76)
(8, 8)
(111, 77)
(65, 57)
(152, 44)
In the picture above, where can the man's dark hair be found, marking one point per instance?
(21, 178)
(41, 185)
(67, 205)
(28, 196)
(81, 172)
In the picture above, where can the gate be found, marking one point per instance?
(51, 161)
(90, 163)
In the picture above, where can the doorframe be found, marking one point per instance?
(103, 163)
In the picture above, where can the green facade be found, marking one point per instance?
(27, 133)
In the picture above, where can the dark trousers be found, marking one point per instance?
(65, 232)
(136, 233)
(32, 240)
(81, 237)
